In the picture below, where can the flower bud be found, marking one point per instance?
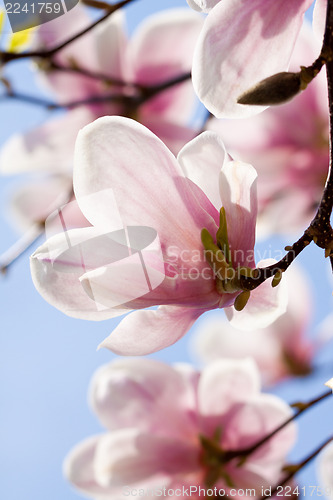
(241, 300)
(275, 89)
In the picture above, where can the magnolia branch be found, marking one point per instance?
(295, 468)
(225, 456)
(6, 57)
(144, 93)
(320, 230)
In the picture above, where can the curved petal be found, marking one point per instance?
(160, 50)
(238, 190)
(225, 382)
(265, 305)
(36, 200)
(49, 148)
(174, 135)
(57, 279)
(68, 86)
(240, 44)
(122, 156)
(144, 332)
(217, 339)
(319, 18)
(253, 420)
(201, 160)
(129, 457)
(143, 393)
(325, 469)
(78, 468)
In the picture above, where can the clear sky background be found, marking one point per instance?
(47, 358)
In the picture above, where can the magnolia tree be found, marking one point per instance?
(148, 204)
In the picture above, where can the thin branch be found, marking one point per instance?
(26, 241)
(6, 57)
(295, 468)
(301, 408)
(224, 456)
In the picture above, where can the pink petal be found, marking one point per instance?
(122, 156)
(129, 457)
(265, 305)
(48, 148)
(202, 160)
(226, 382)
(325, 469)
(217, 339)
(238, 189)
(319, 18)
(79, 469)
(58, 280)
(145, 394)
(65, 85)
(231, 54)
(174, 135)
(250, 422)
(110, 44)
(35, 201)
(160, 50)
(144, 332)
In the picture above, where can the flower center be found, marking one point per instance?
(218, 255)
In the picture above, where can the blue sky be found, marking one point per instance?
(47, 359)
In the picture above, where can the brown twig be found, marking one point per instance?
(6, 57)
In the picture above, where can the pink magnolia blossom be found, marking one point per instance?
(289, 151)
(280, 350)
(163, 424)
(177, 199)
(161, 49)
(243, 42)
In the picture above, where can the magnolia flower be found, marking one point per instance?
(289, 151)
(160, 50)
(242, 43)
(121, 163)
(168, 427)
(280, 350)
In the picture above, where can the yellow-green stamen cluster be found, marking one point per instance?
(218, 256)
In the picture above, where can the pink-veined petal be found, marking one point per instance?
(264, 306)
(129, 457)
(319, 18)
(253, 420)
(238, 190)
(174, 135)
(149, 188)
(145, 394)
(225, 382)
(231, 54)
(78, 468)
(202, 160)
(47, 148)
(80, 53)
(144, 332)
(160, 50)
(56, 267)
(36, 200)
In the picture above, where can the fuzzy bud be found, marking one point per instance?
(275, 89)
